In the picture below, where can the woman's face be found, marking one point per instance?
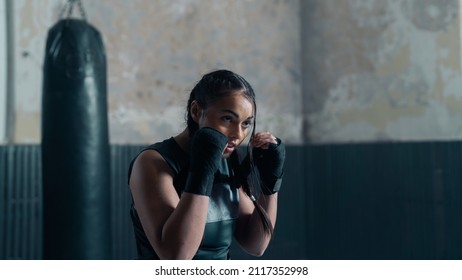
(232, 115)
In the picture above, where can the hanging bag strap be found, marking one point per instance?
(69, 6)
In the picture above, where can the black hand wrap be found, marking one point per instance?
(206, 150)
(270, 164)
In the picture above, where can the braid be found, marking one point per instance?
(246, 177)
(213, 86)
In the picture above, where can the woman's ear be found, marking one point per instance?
(196, 111)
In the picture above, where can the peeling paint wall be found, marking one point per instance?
(157, 50)
(3, 71)
(381, 70)
(324, 71)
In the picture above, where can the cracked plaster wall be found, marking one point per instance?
(345, 71)
(157, 50)
(382, 70)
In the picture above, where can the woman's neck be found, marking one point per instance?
(183, 140)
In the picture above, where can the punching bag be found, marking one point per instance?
(75, 143)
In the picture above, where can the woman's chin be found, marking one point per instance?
(227, 153)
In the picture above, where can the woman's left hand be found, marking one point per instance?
(263, 140)
(269, 156)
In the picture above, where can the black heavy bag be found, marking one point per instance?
(75, 144)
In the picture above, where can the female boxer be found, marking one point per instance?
(194, 192)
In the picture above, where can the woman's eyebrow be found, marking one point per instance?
(236, 115)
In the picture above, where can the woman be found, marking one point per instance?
(193, 193)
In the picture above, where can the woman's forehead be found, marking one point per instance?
(236, 102)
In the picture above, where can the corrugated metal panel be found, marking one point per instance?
(3, 177)
(20, 201)
(367, 201)
(385, 201)
(123, 246)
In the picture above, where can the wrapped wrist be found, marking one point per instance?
(271, 186)
(200, 184)
(206, 150)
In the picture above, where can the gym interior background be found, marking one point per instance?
(366, 94)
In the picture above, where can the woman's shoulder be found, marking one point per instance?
(167, 150)
(168, 145)
(159, 154)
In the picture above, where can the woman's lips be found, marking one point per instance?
(229, 148)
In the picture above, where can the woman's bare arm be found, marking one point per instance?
(250, 233)
(174, 226)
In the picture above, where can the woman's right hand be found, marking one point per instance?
(206, 151)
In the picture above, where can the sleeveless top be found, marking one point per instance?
(223, 208)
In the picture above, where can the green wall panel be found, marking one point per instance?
(384, 201)
(355, 201)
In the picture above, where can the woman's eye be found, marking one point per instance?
(226, 118)
(247, 124)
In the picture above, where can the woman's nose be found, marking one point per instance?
(236, 132)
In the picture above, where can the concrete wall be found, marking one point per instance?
(3, 69)
(382, 70)
(157, 50)
(324, 71)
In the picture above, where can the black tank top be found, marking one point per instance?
(222, 212)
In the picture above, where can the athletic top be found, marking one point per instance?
(222, 212)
